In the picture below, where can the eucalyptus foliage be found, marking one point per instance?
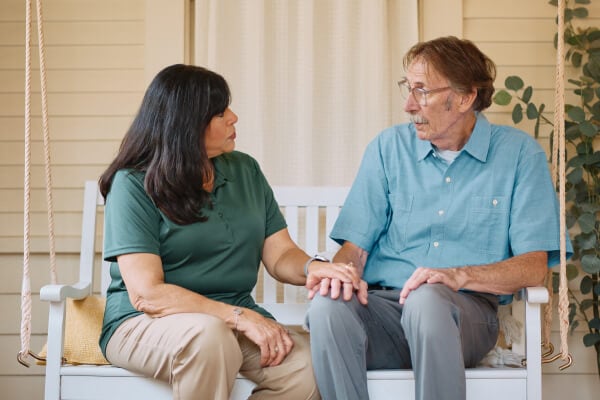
(582, 132)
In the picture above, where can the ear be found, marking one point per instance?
(467, 100)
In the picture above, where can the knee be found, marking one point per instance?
(335, 313)
(209, 338)
(428, 310)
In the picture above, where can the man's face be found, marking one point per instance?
(439, 119)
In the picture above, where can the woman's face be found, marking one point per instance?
(219, 136)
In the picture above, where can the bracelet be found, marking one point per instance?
(237, 312)
(315, 258)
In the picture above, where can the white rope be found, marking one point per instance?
(558, 172)
(46, 134)
(26, 285)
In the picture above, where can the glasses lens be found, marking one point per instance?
(404, 89)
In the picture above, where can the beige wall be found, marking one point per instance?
(101, 54)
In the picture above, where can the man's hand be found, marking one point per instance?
(335, 279)
(447, 276)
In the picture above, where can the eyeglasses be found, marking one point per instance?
(418, 93)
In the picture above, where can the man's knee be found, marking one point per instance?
(429, 309)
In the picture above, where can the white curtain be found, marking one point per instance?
(313, 81)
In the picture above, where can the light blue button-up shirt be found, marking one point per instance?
(408, 208)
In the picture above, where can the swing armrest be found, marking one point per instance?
(535, 295)
(57, 293)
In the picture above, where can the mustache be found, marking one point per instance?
(418, 119)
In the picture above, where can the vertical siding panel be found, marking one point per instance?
(518, 36)
(95, 71)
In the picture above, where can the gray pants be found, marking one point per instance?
(437, 333)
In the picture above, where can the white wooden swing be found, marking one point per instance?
(308, 209)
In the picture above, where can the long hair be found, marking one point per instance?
(462, 63)
(166, 140)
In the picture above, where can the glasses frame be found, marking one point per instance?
(418, 93)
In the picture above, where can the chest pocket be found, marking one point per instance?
(488, 224)
(401, 207)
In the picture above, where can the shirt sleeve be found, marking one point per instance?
(131, 221)
(366, 211)
(274, 220)
(534, 219)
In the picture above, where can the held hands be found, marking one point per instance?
(447, 276)
(335, 279)
(272, 338)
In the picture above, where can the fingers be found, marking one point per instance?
(279, 346)
(420, 276)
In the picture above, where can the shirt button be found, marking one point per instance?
(441, 212)
(436, 244)
(495, 202)
(448, 179)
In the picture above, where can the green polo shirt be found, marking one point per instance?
(218, 258)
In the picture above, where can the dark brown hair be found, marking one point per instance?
(461, 62)
(166, 140)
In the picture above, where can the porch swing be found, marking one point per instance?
(70, 377)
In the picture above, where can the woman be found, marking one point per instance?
(187, 222)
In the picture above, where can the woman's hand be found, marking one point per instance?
(271, 337)
(335, 279)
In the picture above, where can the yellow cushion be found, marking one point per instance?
(83, 324)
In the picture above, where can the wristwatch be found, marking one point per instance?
(315, 258)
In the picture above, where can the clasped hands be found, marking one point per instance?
(344, 279)
(336, 279)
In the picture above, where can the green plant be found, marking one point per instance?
(582, 132)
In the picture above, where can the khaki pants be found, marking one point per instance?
(200, 357)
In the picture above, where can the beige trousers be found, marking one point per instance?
(200, 357)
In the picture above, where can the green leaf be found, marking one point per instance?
(514, 82)
(532, 112)
(572, 272)
(591, 339)
(580, 12)
(590, 207)
(587, 94)
(568, 14)
(594, 323)
(593, 35)
(517, 114)
(586, 285)
(502, 98)
(586, 241)
(597, 290)
(575, 176)
(578, 2)
(527, 94)
(588, 129)
(576, 114)
(590, 263)
(553, 2)
(587, 222)
(576, 59)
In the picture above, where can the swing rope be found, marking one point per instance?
(25, 350)
(558, 173)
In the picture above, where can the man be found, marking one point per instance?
(448, 216)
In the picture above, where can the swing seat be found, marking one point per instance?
(310, 213)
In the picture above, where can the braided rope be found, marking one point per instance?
(25, 350)
(46, 134)
(26, 285)
(559, 129)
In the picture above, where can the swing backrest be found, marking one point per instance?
(310, 213)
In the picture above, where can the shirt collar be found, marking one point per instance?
(223, 171)
(477, 145)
